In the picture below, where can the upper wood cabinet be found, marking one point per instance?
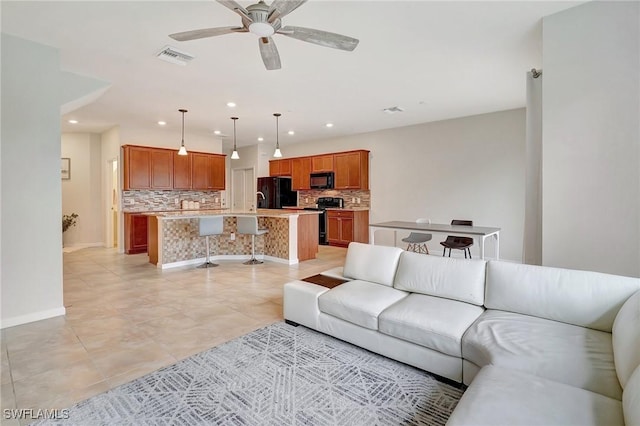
(300, 171)
(351, 170)
(322, 163)
(208, 171)
(159, 168)
(181, 171)
(280, 167)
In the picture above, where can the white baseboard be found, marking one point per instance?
(238, 257)
(35, 316)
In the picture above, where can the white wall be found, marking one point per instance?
(33, 90)
(82, 194)
(466, 168)
(591, 138)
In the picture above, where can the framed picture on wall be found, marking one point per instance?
(66, 168)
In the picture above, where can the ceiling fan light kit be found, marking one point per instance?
(277, 152)
(234, 154)
(183, 150)
(264, 21)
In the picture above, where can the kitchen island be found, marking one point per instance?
(174, 238)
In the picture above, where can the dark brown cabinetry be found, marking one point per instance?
(137, 167)
(161, 169)
(135, 231)
(345, 226)
(181, 171)
(300, 171)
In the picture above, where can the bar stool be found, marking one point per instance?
(249, 225)
(210, 225)
(417, 241)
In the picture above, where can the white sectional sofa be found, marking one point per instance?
(536, 345)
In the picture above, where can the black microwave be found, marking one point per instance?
(321, 180)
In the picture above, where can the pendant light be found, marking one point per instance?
(234, 154)
(277, 153)
(183, 150)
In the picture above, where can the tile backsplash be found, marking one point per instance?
(150, 200)
(351, 196)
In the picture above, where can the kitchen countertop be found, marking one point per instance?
(188, 214)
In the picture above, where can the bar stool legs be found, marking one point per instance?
(249, 225)
(253, 260)
(210, 225)
(208, 263)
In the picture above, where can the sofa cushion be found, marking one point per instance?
(631, 399)
(359, 302)
(566, 353)
(433, 322)
(457, 279)
(499, 396)
(626, 338)
(588, 299)
(371, 263)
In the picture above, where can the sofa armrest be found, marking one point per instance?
(301, 302)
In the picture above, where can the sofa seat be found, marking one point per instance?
(433, 322)
(565, 353)
(499, 396)
(359, 302)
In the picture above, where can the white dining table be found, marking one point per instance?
(479, 233)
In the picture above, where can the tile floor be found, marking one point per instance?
(126, 318)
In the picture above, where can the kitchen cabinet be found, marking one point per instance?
(345, 226)
(161, 169)
(351, 170)
(181, 171)
(207, 171)
(280, 167)
(135, 233)
(300, 171)
(137, 167)
(322, 163)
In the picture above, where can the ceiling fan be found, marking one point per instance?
(264, 21)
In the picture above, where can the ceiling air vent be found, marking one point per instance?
(393, 110)
(175, 56)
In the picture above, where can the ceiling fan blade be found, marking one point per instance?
(206, 32)
(322, 38)
(269, 53)
(280, 8)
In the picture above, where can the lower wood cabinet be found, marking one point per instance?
(345, 226)
(135, 233)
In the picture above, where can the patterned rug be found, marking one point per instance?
(278, 375)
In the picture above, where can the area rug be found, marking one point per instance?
(278, 375)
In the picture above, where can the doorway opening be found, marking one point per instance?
(243, 189)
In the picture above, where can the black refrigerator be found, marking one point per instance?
(275, 193)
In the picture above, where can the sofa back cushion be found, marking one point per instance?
(371, 263)
(587, 299)
(626, 338)
(631, 399)
(457, 279)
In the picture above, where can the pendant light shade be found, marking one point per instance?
(183, 150)
(277, 152)
(234, 154)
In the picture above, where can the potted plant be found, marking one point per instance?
(68, 220)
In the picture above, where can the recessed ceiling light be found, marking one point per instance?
(217, 132)
(291, 132)
(231, 104)
(162, 123)
(329, 124)
(260, 139)
(73, 121)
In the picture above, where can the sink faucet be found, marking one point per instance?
(260, 194)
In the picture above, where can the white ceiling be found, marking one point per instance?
(436, 60)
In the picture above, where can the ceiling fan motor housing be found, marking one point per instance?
(259, 14)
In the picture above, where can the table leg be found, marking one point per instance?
(372, 232)
(497, 237)
(482, 239)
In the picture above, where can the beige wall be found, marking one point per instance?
(466, 168)
(591, 138)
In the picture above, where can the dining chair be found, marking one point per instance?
(417, 241)
(456, 242)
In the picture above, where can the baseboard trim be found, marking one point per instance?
(238, 257)
(35, 316)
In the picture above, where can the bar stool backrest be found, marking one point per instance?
(211, 225)
(247, 225)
